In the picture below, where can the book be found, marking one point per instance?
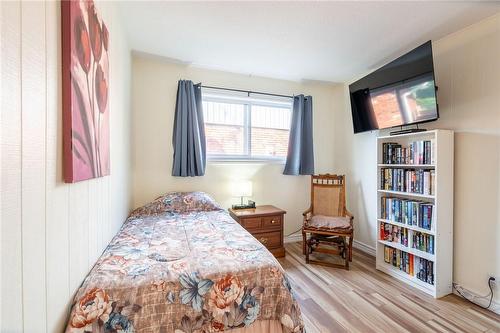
(393, 233)
(417, 152)
(433, 152)
(408, 180)
(425, 270)
(423, 242)
(410, 212)
(402, 260)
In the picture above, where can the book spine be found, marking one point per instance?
(412, 153)
(432, 182)
(384, 153)
(427, 159)
(433, 151)
(427, 182)
(421, 153)
(416, 152)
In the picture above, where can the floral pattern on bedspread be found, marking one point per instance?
(188, 272)
(178, 202)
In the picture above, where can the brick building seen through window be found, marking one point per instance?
(246, 128)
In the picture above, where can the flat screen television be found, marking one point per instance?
(403, 92)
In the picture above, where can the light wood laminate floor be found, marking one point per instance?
(366, 300)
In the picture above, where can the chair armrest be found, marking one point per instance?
(307, 216)
(348, 214)
(307, 213)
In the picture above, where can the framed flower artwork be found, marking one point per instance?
(85, 85)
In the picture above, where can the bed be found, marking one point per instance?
(182, 264)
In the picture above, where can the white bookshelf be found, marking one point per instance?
(442, 224)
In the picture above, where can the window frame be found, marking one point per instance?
(247, 102)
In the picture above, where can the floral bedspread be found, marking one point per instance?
(181, 264)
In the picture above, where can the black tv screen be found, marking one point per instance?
(403, 92)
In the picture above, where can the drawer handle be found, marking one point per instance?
(273, 221)
(263, 240)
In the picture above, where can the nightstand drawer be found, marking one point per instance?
(271, 222)
(251, 223)
(269, 239)
(265, 223)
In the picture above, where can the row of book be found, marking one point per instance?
(408, 180)
(423, 242)
(421, 268)
(425, 270)
(397, 234)
(393, 233)
(399, 259)
(410, 212)
(417, 152)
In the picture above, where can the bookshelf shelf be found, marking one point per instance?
(408, 194)
(434, 209)
(408, 166)
(418, 253)
(405, 277)
(408, 226)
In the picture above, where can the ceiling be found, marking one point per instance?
(325, 41)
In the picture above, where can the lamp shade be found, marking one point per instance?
(242, 189)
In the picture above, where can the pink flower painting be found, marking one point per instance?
(85, 64)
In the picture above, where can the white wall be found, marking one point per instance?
(467, 65)
(52, 232)
(154, 91)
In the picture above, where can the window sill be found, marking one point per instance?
(220, 160)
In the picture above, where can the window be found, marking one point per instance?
(246, 128)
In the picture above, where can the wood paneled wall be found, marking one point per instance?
(52, 232)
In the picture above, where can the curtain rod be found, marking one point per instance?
(247, 91)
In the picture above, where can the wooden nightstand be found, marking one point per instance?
(265, 223)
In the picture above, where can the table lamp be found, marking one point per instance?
(242, 189)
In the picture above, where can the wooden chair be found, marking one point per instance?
(328, 221)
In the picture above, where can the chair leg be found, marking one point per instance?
(307, 255)
(308, 251)
(345, 248)
(350, 248)
(304, 242)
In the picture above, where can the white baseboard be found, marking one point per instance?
(364, 248)
(478, 299)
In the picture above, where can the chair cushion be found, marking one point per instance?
(330, 222)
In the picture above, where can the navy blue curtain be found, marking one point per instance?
(300, 157)
(189, 132)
